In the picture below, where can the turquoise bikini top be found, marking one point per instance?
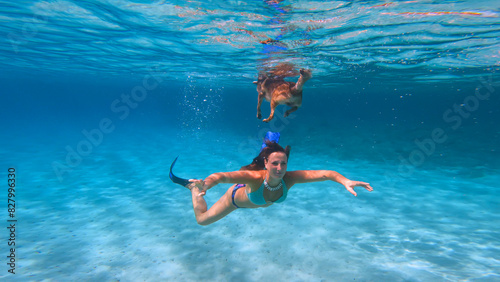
(257, 197)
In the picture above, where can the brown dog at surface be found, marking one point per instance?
(278, 91)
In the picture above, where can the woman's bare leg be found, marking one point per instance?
(219, 210)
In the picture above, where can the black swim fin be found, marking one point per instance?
(175, 179)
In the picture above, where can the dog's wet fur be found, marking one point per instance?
(278, 91)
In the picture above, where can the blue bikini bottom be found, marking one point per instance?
(238, 186)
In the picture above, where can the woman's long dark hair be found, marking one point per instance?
(258, 162)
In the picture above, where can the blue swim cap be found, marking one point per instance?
(270, 136)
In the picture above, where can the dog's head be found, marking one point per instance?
(260, 79)
(306, 74)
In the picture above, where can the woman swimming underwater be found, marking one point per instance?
(260, 184)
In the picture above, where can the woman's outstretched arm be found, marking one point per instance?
(305, 176)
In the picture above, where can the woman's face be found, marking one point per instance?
(276, 164)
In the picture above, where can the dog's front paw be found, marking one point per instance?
(286, 114)
(266, 120)
(259, 116)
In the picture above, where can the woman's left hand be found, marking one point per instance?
(349, 185)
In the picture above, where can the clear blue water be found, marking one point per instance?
(404, 95)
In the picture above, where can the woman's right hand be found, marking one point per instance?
(210, 182)
(196, 183)
(206, 184)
